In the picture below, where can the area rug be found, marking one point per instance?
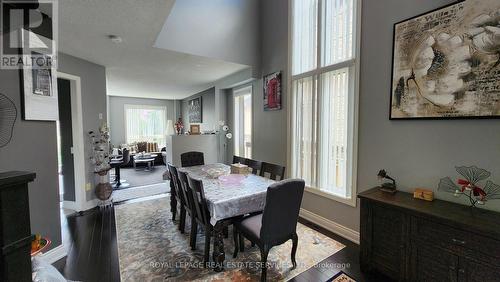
(140, 192)
(151, 248)
(341, 277)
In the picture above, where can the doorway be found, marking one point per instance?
(65, 142)
(71, 143)
(243, 122)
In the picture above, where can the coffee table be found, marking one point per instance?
(148, 159)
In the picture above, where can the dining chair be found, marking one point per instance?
(273, 170)
(277, 224)
(192, 159)
(179, 196)
(239, 160)
(190, 208)
(255, 165)
(202, 214)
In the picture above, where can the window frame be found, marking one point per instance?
(141, 107)
(241, 91)
(353, 65)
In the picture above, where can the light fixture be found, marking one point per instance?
(115, 38)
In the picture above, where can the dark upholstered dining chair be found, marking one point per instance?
(273, 170)
(255, 165)
(192, 159)
(202, 214)
(277, 224)
(190, 208)
(179, 196)
(237, 160)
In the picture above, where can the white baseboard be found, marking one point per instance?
(74, 207)
(91, 204)
(70, 205)
(332, 226)
(54, 255)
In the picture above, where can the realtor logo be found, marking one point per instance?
(28, 34)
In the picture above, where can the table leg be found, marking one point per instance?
(173, 201)
(218, 254)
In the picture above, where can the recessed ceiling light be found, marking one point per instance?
(115, 38)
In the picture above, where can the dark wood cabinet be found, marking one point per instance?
(15, 232)
(413, 240)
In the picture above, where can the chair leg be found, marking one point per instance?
(206, 257)
(182, 220)
(235, 239)
(194, 230)
(242, 242)
(295, 241)
(263, 260)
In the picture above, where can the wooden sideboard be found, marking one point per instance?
(15, 231)
(414, 240)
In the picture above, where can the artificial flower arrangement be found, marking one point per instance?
(469, 185)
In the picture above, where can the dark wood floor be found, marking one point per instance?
(92, 248)
(93, 253)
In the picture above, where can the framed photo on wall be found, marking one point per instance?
(195, 110)
(39, 86)
(272, 91)
(446, 63)
(194, 129)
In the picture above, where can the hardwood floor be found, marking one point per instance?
(92, 248)
(93, 254)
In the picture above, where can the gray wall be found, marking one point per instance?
(417, 153)
(36, 142)
(93, 79)
(208, 110)
(269, 127)
(34, 148)
(117, 114)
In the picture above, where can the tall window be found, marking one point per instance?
(145, 124)
(243, 122)
(324, 67)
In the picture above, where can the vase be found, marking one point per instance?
(103, 191)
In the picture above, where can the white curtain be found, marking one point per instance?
(323, 64)
(145, 124)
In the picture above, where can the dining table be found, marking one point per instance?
(227, 198)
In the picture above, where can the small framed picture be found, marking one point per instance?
(272, 91)
(194, 129)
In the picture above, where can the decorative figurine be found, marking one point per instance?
(179, 126)
(389, 187)
(468, 185)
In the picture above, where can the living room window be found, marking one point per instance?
(144, 123)
(324, 74)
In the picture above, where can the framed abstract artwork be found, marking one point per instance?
(195, 110)
(272, 91)
(446, 63)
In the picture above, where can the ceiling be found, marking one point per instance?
(134, 68)
(232, 34)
